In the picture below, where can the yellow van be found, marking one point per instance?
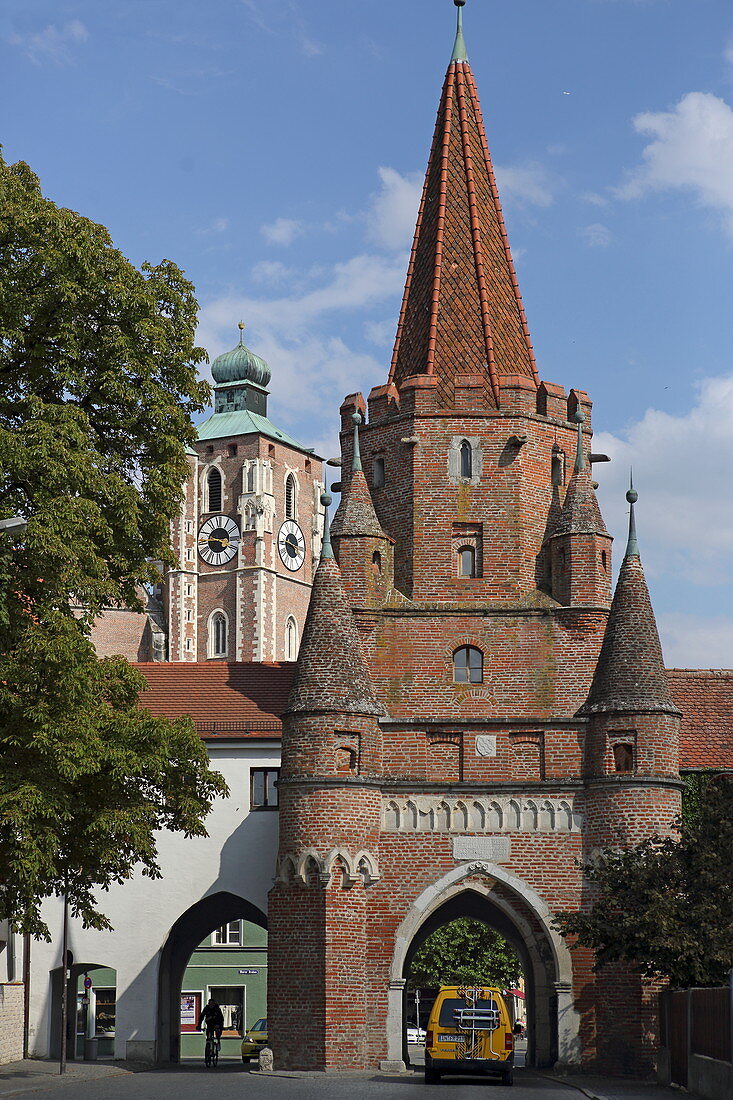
(469, 1031)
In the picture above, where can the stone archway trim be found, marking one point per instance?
(432, 898)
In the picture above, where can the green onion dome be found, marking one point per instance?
(240, 365)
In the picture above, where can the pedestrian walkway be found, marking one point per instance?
(612, 1088)
(35, 1074)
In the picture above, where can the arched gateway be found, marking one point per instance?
(457, 739)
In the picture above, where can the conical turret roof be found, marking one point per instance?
(630, 674)
(462, 310)
(331, 673)
(581, 513)
(355, 515)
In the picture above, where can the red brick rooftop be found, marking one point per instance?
(705, 697)
(225, 700)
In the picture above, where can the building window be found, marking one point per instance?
(378, 473)
(466, 562)
(558, 468)
(376, 563)
(232, 450)
(291, 639)
(189, 645)
(466, 459)
(231, 933)
(218, 631)
(623, 756)
(290, 495)
(251, 479)
(213, 484)
(468, 665)
(189, 616)
(263, 789)
(345, 760)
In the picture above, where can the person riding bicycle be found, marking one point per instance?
(214, 1018)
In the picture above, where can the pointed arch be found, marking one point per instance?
(291, 496)
(292, 640)
(218, 634)
(214, 490)
(466, 454)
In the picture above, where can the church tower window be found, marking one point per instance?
(378, 473)
(213, 486)
(468, 665)
(291, 639)
(290, 496)
(466, 562)
(218, 631)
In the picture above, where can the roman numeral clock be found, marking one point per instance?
(291, 545)
(218, 540)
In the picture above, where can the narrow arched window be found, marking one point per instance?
(466, 459)
(378, 473)
(218, 634)
(468, 665)
(290, 497)
(251, 479)
(213, 484)
(291, 639)
(467, 562)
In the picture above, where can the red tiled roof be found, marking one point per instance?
(225, 700)
(705, 697)
(462, 311)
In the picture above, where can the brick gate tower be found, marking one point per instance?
(470, 713)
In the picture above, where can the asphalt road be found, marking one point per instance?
(231, 1081)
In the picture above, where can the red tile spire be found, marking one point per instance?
(462, 311)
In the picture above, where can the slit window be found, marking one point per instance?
(291, 639)
(290, 497)
(468, 665)
(467, 562)
(376, 563)
(466, 459)
(378, 473)
(214, 487)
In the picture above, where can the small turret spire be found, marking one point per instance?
(579, 419)
(459, 46)
(326, 548)
(356, 458)
(632, 546)
(240, 326)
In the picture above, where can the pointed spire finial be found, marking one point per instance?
(240, 326)
(459, 46)
(326, 548)
(356, 459)
(579, 419)
(632, 547)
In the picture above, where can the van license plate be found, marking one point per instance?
(447, 1038)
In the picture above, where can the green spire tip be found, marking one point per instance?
(356, 459)
(579, 419)
(326, 548)
(459, 46)
(632, 546)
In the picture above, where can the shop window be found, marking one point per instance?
(105, 1011)
(213, 483)
(230, 999)
(468, 665)
(263, 788)
(378, 473)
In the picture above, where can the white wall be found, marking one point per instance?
(238, 856)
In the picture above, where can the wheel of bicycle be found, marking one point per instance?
(215, 1054)
(207, 1053)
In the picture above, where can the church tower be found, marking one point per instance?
(451, 648)
(249, 534)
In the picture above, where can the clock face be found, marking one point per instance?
(291, 544)
(218, 540)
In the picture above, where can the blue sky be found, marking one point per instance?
(274, 148)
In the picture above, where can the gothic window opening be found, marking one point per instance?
(291, 639)
(218, 634)
(378, 473)
(466, 459)
(467, 562)
(251, 479)
(558, 468)
(468, 665)
(213, 484)
(290, 493)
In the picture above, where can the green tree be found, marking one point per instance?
(665, 905)
(98, 382)
(465, 951)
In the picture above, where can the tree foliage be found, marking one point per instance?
(98, 382)
(465, 951)
(665, 905)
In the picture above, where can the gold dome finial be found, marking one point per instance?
(240, 326)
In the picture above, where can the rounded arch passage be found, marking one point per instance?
(187, 933)
(518, 914)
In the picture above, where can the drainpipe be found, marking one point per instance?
(26, 993)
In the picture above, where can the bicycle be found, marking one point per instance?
(211, 1051)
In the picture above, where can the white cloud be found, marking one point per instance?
(696, 641)
(393, 212)
(681, 469)
(691, 149)
(52, 43)
(596, 235)
(282, 231)
(524, 185)
(270, 271)
(381, 333)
